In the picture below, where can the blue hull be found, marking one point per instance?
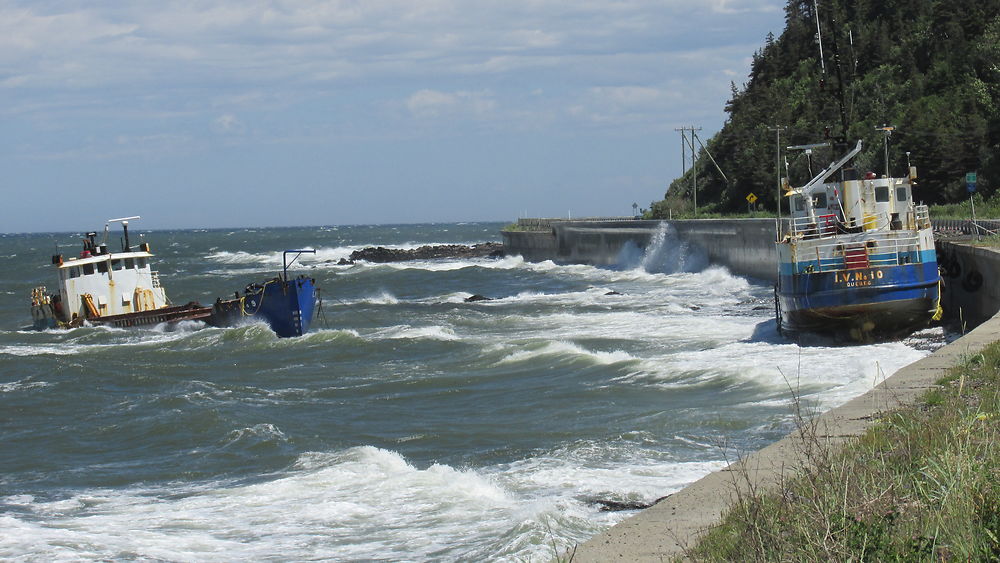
(286, 306)
(861, 303)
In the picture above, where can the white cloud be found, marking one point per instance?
(341, 69)
(433, 103)
(228, 124)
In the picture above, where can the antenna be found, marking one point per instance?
(124, 221)
(887, 130)
(819, 38)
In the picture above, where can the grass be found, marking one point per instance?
(985, 208)
(923, 484)
(991, 241)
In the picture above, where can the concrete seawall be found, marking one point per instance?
(971, 277)
(745, 246)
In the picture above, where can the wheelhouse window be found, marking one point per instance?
(140, 263)
(88, 269)
(881, 194)
(117, 265)
(902, 194)
(799, 203)
(129, 263)
(819, 200)
(74, 272)
(102, 267)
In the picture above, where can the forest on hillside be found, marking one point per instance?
(928, 68)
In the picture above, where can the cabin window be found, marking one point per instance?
(102, 267)
(74, 272)
(140, 263)
(798, 203)
(881, 194)
(901, 194)
(819, 200)
(129, 263)
(116, 264)
(88, 269)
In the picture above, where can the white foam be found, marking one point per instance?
(407, 332)
(563, 349)
(381, 298)
(358, 504)
(22, 385)
(39, 350)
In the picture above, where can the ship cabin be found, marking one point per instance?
(854, 206)
(99, 283)
(855, 223)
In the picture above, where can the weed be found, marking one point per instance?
(920, 485)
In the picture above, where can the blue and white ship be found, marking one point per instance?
(857, 260)
(285, 304)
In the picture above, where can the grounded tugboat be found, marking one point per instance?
(120, 289)
(858, 260)
(101, 287)
(286, 305)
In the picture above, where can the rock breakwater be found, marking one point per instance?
(381, 254)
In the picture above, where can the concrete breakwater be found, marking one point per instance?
(745, 246)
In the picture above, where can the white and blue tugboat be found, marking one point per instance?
(101, 287)
(857, 260)
(285, 304)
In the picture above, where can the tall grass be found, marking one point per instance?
(923, 484)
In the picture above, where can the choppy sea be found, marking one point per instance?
(409, 425)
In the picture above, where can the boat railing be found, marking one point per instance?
(840, 256)
(822, 227)
(830, 225)
(922, 215)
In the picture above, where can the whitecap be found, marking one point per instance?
(565, 349)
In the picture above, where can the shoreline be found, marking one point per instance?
(669, 528)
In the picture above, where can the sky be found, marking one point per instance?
(229, 113)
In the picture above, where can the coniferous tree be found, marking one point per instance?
(931, 68)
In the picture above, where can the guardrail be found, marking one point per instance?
(966, 226)
(544, 224)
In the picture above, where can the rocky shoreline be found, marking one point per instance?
(380, 254)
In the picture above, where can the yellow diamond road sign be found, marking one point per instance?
(752, 197)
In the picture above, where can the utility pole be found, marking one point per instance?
(777, 166)
(684, 167)
(694, 156)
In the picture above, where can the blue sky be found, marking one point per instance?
(304, 112)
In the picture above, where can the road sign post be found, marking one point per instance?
(970, 185)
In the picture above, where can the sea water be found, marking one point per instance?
(409, 424)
